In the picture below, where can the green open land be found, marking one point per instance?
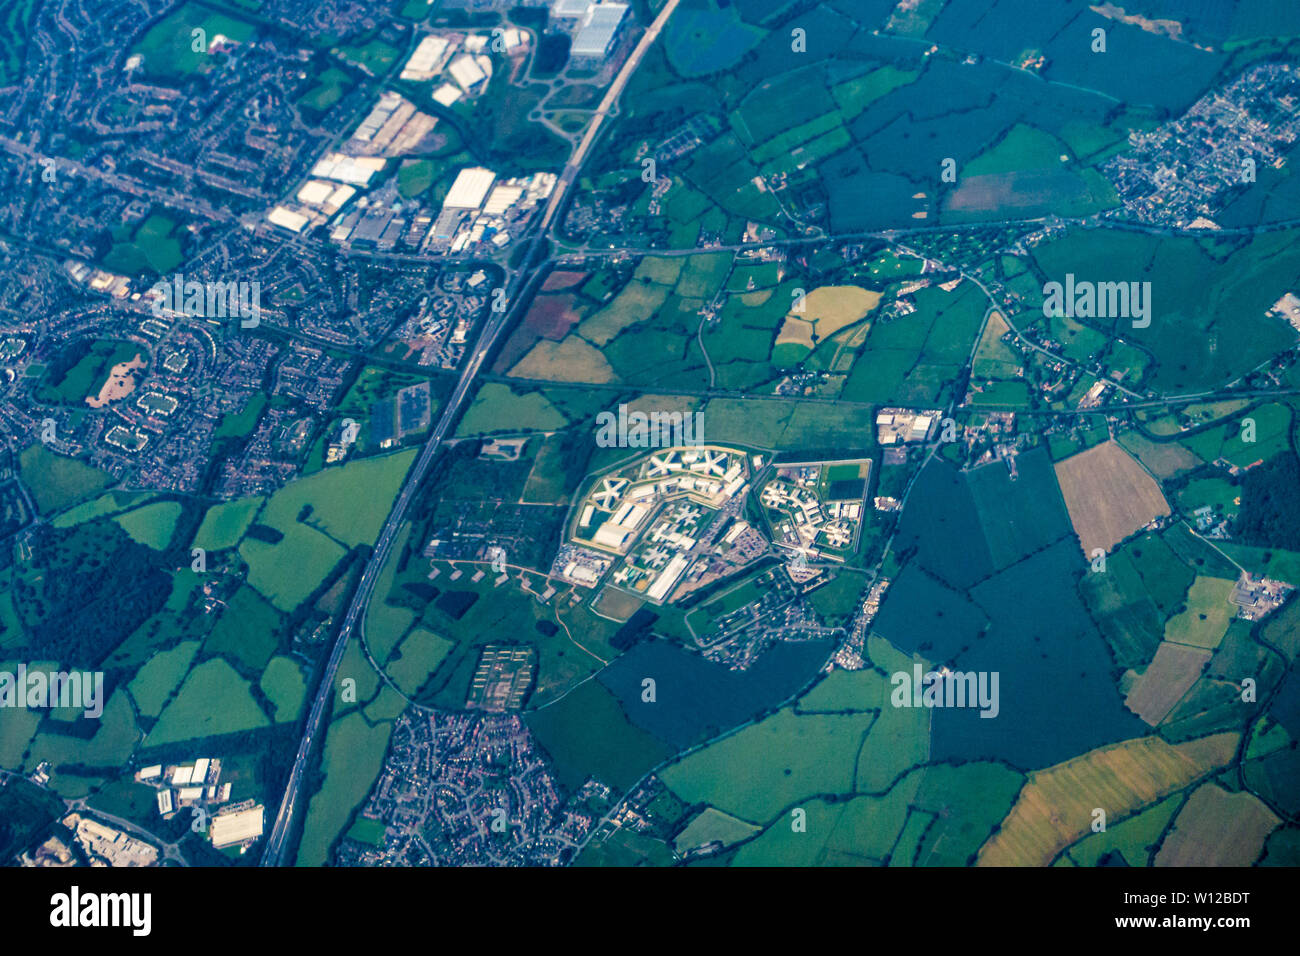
(289, 570)
(56, 481)
(285, 687)
(783, 758)
(354, 752)
(416, 658)
(331, 86)
(318, 516)
(385, 622)
(936, 816)
(1143, 585)
(1164, 460)
(154, 247)
(240, 424)
(1256, 436)
(349, 504)
(151, 525)
(83, 368)
(1206, 618)
(153, 683)
(713, 825)
(224, 524)
(111, 744)
(586, 733)
(106, 504)
(245, 633)
(213, 700)
(915, 358)
(168, 47)
(1135, 839)
(842, 737)
(497, 407)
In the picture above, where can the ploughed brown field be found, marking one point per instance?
(1109, 495)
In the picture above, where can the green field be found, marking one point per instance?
(586, 733)
(375, 57)
(331, 85)
(84, 378)
(161, 674)
(499, 408)
(168, 47)
(289, 570)
(240, 424)
(1135, 838)
(785, 757)
(354, 753)
(285, 687)
(349, 504)
(155, 247)
(246, 632)
(225, 523)
(1206, 618)
(914, 358)
(1272, 427)
(1203, 334)
(319, 516)
(107, 504)
(111, 745)
(213, 700)
(151, 525)
(712, 824)
(419, 655)
(57, 482)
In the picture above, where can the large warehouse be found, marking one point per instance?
(598, 31)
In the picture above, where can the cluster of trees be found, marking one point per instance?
(64, 362)
(637, 628)
(93, 587)
(1270, 506)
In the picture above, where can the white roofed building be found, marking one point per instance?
(599, 30)
(468, 71)
(286, 219)
(240, 826)
(447, 94)
(470, 188)
(502, 198)
(427, 60)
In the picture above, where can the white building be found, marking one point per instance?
(599, 30)
(469, 71)
(470, 188)
(240, 826)
(427, 60)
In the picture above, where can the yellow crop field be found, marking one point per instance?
(571, 360)
(1055, 808)
(826, 311)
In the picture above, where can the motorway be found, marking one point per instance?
(492, 329)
